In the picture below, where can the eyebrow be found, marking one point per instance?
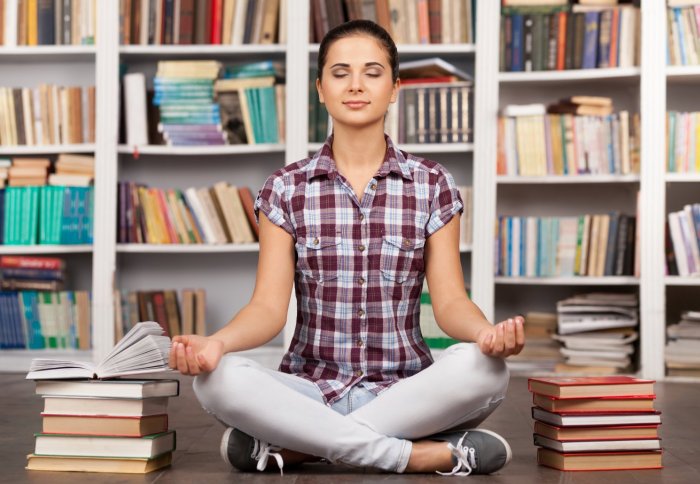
(367, 64)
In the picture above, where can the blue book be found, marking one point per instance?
(30, 305)
(590, 40)
(678, 16)
(518, 62)
(2, 216)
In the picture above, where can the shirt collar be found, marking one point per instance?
(322, 162)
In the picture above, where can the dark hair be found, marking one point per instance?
(361, 27)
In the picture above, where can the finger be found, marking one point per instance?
(191, 361)
(499, 345)
(182, 360)
(486, 344)
(172, 356)
(204, 365)
(519, 334)
(509, 336)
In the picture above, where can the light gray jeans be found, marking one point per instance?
(459, 390)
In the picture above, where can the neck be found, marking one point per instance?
(359, 149)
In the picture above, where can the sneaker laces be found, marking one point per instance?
(262, 453)
(465, 459)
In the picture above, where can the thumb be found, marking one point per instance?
(204, 363)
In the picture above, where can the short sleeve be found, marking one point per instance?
(271, 201)
(445, 204)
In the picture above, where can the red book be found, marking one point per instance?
(24, 262)
(248, 206)
(614, 30)
(599, 461)
(216, 19)
(159, 312)
(561, 41)
(589, 387)
(597, 432)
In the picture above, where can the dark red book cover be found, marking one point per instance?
(216, 18)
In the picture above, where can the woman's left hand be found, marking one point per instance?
(503, 339)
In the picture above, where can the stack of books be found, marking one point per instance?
(541, 353)
(683, 346)
(683, 241)
(598, 332)
(596, 423)
(106, 424)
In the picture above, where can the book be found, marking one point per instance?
(111, 425)
(588, 419)
(108, 388)
(144, 340)
(599, 461)
(145, 447)
(122, 465)
(571, 387)
(116, 407)
(612, 432)
(636, 403)
(432, 67)
(597, 445)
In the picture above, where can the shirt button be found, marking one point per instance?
(406, 242)
(359, 373)
(361, 312)
(360, 343)
(373, 186)
(361, 248)
(361, 216)
(316, 241)
(361, 281)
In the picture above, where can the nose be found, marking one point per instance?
(356, 83)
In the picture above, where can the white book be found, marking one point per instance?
(198, 211)
(598, 419)
(135, 109)
(240, 217)
(282, 23)
(116, 407)
(514, 110)
(10, 29)
(239, 22)
(674, 227)
(144, 349)
(102, 446)
(145, 12)
(212, 215)
(597, 445)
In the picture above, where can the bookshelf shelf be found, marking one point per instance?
(683, 177)
(44, 249)
(569, 281)
(19, 360)
(682, 281)
(48, 53)
(46, 149)
(683, 74)
(202, 150)
(174, 51)
(424, 49)
(185, 248)
(534, 180)
(415, 148)
(607, 75)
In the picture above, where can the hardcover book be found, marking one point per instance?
(578, 387)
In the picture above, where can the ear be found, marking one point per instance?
(320, 91)
(395, 91)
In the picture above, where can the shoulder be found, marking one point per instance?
(425, 169)
(293, 172)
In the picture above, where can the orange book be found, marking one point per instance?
(423, 22)
(632, 403)
(614, 29)
(597, 432)
(248, 205)
(118, 426)
(589, 387)
(561, 41)
(599, 461)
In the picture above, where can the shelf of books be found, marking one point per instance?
(168, 51)
(46, 149)
(425, 49)
(44, 249)
(569, 86)
(682, 207)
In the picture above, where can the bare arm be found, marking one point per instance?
(259, 321)
(454, 312)
(265, 315)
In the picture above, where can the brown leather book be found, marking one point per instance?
(248, 203)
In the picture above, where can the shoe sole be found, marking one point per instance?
(223, 447)
(509, 452)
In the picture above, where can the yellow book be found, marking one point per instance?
(32, 22)
(97, 464)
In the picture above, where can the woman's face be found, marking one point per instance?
(357, 86)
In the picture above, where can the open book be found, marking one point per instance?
(143, 349)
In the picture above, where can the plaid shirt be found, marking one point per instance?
(359, 269)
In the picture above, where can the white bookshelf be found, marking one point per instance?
(44, 249)
(202, 150)
(232, 267)
(565, 179)
(46, 149)
(607, 75)
(186, 248)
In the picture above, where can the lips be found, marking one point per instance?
(356, 104)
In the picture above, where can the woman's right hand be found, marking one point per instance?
(192, 354)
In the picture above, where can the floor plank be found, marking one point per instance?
(197, 458)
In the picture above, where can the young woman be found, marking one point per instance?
(357, 227)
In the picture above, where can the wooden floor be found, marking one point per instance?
(197, 458)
